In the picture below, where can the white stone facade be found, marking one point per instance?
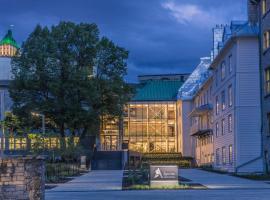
(237, 118)
(226, 114)
(5, 78)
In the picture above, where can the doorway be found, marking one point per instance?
(109, 142)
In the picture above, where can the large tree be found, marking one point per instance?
(53, 75)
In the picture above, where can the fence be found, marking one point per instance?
(20, 143)
(57, 172)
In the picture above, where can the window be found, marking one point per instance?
(217, 105)
(223, 100)
(266, 40)
(268, 124)
(217, 129)
(207, 97)
(230, 96)
(223, 155)
(217, 156)
(230, 64)
(223, 127)
(267, 81)
(264, 7)
(230, 154)
(230, 123)
(223, 71)
(216, 75)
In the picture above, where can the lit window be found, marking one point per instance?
(264, 7)
(230, 123)
(230, 64)
(223, 127)
(230, 98)
(268, 123)
(223, 71)
(223, 100)
(266, 40)
(223, 155)
(230, 154)
(267, 81)
(217, 105)
(217, 129)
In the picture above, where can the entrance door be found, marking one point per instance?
(110, 142)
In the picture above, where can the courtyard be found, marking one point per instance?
(101, 185)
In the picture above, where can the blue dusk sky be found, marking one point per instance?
(162, 36)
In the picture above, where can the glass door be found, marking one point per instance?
(110, 143)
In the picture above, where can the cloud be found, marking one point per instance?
(185, 13)
(195, 14)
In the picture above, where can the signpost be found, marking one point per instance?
(164, 175)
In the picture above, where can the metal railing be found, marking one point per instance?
(60, 171)
(197, 127)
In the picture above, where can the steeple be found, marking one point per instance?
(8, 45)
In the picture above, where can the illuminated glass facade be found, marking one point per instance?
(150, 120)
(151, 127)
(110, 136)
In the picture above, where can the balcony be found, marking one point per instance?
(201, 110)
(198, 130)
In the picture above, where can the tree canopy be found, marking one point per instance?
(71, 75)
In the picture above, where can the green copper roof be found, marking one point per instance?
(9, 40)
(157, 90)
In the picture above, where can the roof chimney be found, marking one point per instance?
(253, 17)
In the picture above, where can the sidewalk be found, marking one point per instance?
(100, 185)
(221, 181)
(92, 181)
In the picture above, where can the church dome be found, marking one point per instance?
(9, 40)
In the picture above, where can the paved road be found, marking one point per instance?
(221, 181)
(258, 194)
(106, 185)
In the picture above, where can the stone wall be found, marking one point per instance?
(22, 178)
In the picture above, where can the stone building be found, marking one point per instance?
(8, 49)
(259, 11)
(201, 129)
(237, 136)
(226, 137)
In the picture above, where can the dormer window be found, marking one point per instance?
(266, 42)
(223, 71)
(264, 7)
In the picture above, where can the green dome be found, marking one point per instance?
(9, 40)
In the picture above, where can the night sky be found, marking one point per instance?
(162, 36)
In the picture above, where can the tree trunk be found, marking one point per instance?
(63, 137)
